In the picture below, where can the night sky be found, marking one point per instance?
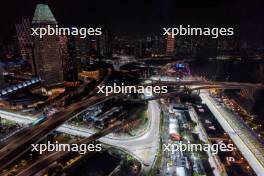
(142, 17)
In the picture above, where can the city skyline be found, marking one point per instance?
(140, 22)
(142, 88)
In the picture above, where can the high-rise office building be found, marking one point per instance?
(23, 32)
(73, 64)
(83, 48)
(104, 44)
(72, 50)
(138, 49)
(170, 45)
(64, 51)
(47, 53)
(2, 81)
(158, 46)
(25, 42)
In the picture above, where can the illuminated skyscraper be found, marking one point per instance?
(2, 81)
(25, 42)
(73, 64)
(64, 51)
(83, 48)
(23, 32)
(104, 44)
(170, 45)
(138, 49)
(47, 53)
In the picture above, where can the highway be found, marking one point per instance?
(143, 147)
(201, 82)
(22, 119)
(20, 145)
(12, 136)
(44, 161)
(254, 157)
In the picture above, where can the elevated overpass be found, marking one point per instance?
(205, 83)
(22, 143)
(142, 147)
(19, 87)
(44, 161)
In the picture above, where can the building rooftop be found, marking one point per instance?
(43, 14)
